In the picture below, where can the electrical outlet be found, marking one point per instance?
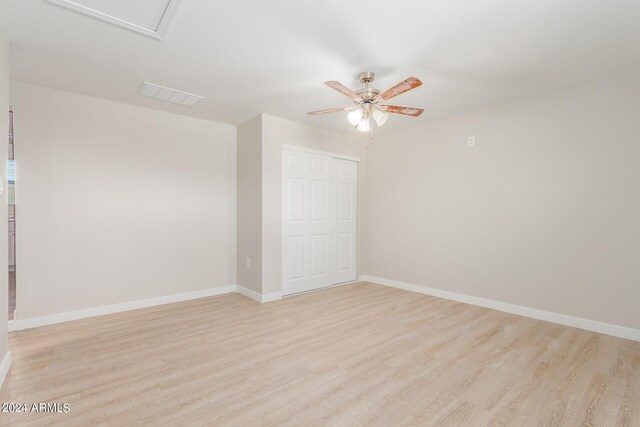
(248, 262)
(471, 141)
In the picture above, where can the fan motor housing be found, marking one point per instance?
(368, 93)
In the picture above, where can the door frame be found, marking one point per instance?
(302, 149)
(319, 152)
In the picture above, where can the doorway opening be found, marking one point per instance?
(11, 199)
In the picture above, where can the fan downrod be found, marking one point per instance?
(367, 93)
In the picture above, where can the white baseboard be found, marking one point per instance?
(576, 322)
(249, 293)
(4, 367)
(34, 322)
(262, 298)
(273, 296)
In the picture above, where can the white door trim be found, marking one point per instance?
(319, 152)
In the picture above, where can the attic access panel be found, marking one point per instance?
(148, 17)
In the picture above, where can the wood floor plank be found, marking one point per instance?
(352, 355)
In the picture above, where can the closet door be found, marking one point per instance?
(344, 222)
(307, 216)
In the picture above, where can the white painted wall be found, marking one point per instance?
(250, 204)
(543, 212)
(4, 139)
(118, 203)
(275, 132)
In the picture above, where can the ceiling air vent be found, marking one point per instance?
(169, 95)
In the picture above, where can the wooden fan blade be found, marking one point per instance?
(407, 111)
(344, 90)
(400, 88)
(332, 110)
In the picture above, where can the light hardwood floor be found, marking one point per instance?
(353, 355)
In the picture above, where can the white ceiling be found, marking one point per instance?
(247, 57)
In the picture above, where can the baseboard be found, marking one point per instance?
(273, 296)
(262, 298)
(4, 367)
(35, 322)
(563, 319)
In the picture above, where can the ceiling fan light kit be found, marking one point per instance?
(364, 125)
(379, 117)
(355, 116)
(368, 102)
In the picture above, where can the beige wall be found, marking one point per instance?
(277, 131)
(118, 203)
(250, 204)
(543, 212)
(4, 132)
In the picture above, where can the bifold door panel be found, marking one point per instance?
(345, 175)
(318, 221)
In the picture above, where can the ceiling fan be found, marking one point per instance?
(369, 102)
